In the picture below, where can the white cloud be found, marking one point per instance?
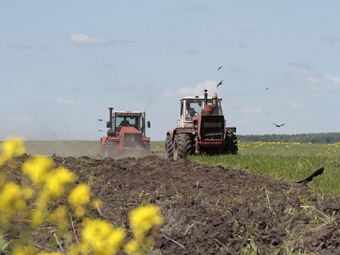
(304, 76)
(67, 102)
(334, 80)
(194, 90)
(83, 39)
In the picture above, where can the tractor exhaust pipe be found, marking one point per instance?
(110, 118)
(205, 97)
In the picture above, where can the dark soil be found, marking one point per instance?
(213, 210)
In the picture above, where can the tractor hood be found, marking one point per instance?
(129, 130)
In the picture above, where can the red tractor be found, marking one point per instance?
(125, 134)
(201, 128)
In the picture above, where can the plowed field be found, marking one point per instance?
(213, 210)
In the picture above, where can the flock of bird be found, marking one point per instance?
(220, 83)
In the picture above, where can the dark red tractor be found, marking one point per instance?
(125, 134)
(201, 128)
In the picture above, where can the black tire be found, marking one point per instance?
(231, 146)
(169, 147)
(183, 146)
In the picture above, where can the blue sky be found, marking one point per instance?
(62, 63)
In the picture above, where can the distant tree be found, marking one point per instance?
(301, 138)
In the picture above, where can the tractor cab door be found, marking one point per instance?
(180, 120)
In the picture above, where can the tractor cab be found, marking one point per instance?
(126, 132)
(122, 119)
(192, 107)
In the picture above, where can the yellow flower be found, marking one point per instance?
(59, 217)
(11, 198)
(37, 218)
(115, 239)
(79, 211)
(144, 219)
(100, 237)
(37, 168)
(80, 195)
(27, 192)
(49, 253)
(56, 181)
(78, 198)
(133, 247)
(97, 203)
(11, 148)
(24, 250)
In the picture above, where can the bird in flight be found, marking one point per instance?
(100, 119)
(310, 178)
(218, 69)
(279, 125)
(267, 88)
(219, 84)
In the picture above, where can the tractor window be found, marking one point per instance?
(193, 108)
(128, 121)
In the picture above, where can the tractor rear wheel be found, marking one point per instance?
(231, 146)
(183, 146)
(169, 147)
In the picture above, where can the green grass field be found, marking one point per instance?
(288, 161)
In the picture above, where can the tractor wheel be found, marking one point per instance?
(169, 147)
(183, 146)
(231, 146)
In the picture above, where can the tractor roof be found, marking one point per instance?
(127, 113)
(198, 97)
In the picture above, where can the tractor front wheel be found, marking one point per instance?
(183, 146)
(169, 147)
(231, 146)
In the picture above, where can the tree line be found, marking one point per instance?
(301, 138)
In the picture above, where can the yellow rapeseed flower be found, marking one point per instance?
(11, 148)
(143, 219)
(115, 239)
(56, 181)
(10, 197)
(101, 238)
(97, 203)
(78, 198)
(37, 217)
(27, 192)
(50, 253)
(37, 168)
(79, 195)
(59, 217)
(24, 250)
(133, 247)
